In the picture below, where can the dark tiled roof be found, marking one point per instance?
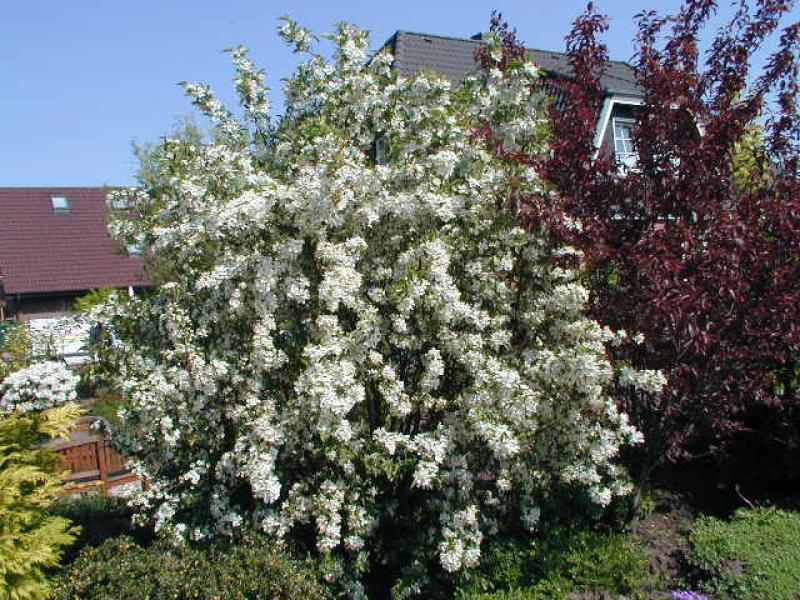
(42, 251)
(455, 58)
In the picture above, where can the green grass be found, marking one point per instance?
(107, 407)
(754, 556)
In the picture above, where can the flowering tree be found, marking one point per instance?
(357, 344)
(40, 386)
(698, 247)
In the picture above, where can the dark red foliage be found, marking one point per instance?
(707, 271)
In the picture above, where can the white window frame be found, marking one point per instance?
(628, 159)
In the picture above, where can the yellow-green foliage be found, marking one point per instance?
(15, 348)
(31, 539)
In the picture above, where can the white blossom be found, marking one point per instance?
(38, 387)
(336, 324)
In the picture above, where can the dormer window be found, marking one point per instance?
(623, 143)
(59, 204)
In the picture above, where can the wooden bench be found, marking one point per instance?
(90, 461)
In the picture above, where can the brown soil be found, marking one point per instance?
(664, 533)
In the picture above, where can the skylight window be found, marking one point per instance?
(60, 204)
(120, 203)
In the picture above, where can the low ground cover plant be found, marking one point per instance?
(556, 564)
(107, 406)
(753, 556)
(99, 518)
(124, 569)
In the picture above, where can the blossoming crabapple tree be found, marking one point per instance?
(357, 342)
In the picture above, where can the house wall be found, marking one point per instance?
(25, 308)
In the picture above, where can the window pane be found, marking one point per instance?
(623, 137)
(628, 145)
(624, 131)
(60, 203)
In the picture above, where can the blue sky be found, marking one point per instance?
(81, 80)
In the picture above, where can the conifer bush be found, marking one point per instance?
(31, 539)
(15, 348)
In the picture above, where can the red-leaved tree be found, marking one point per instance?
(678, 249)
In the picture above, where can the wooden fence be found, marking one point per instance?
(91, 463)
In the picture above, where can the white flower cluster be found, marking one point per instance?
(461, 539)
(38, 387)
(646, 380)
(298, 37)
(356, 331)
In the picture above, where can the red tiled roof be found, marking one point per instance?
(43, 251)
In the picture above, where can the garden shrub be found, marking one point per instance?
(754, 556)
(357, 346)
(31, 538)
(123, 569)
(93, 298)
(39, 386)
(556, 564)
(523, 594)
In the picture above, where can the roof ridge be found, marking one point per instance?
(437, 35)
(471, 41)
(58, 187)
